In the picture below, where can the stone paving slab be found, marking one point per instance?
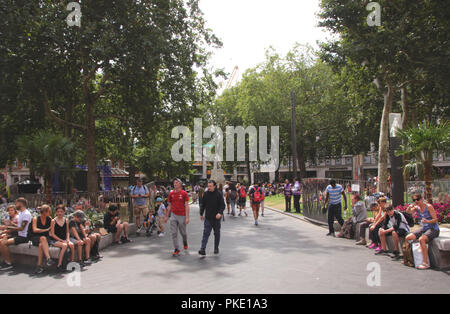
(281, 255)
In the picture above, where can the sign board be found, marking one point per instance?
(355, 188)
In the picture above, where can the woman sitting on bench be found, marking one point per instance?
(429, 226)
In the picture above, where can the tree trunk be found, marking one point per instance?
(249, 173)
(91, 153)
(131, 182)
(301, 161)
(48, 187)
(383, 152)
(427, 170)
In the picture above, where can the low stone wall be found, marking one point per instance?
(27, 255)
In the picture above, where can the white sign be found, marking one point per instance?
(355, 188)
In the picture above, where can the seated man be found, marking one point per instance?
(366, 224)
(23, 223)
(95, 238)
(359, 215)
(112, 224)
(79, 238)
(394, 224)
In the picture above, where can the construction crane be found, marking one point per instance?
(232, 77)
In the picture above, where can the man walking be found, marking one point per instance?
(179, 218)
(139, 195)
(333, 195)
(212, 207)
(256, 197)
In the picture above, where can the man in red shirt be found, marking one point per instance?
(179, 219)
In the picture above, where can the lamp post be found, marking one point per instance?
(398, 187)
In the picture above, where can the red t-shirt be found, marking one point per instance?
(178, 200)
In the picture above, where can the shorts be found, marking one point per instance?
(430, 233)
(140, 210)
(400, 232)
(74, 240)
(111, 229)
(36, 239)
(256, 206)
(242, 201)
(20, 240)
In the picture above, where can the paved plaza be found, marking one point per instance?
(282, 255)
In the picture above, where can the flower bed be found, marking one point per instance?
(442, 211)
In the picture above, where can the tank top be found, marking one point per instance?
(39, 225)
(61, 232)
(427, 216)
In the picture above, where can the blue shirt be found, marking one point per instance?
(335, 194)
(140, 201)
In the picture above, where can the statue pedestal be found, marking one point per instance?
(218, 176)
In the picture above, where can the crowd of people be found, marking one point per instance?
(74, 234)
(384, 222)
(154, 207)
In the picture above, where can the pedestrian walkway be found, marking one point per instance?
(281, 255)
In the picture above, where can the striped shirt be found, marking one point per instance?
(335, 194)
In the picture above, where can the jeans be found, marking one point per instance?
(297, 203)
(287, 201)
(334, 211)
(178, 223)
(233, 206)
(211, 225)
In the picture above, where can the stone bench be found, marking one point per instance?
(27, 255)
(439, 250)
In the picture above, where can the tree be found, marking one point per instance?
(421, 142)
(401, 54)
(146, 51)
(47, 153)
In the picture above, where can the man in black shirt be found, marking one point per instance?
(214, 206)
(112, 224)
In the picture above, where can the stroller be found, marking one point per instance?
(152, 227)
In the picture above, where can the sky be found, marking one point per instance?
(248, 27)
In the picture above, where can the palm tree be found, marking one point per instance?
(421, 142)
(47, 153)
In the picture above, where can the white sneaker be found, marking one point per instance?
(161, 235)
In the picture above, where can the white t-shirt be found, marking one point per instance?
(24, 216)
(161, 210)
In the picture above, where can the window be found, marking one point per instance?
(348, 160)
(338, 161)
(367, 160)
(328, 162)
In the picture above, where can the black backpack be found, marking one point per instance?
(409, 218)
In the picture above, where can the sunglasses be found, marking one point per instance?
(416, 199)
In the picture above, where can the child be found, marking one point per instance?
(160, 210)
(148, 223)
